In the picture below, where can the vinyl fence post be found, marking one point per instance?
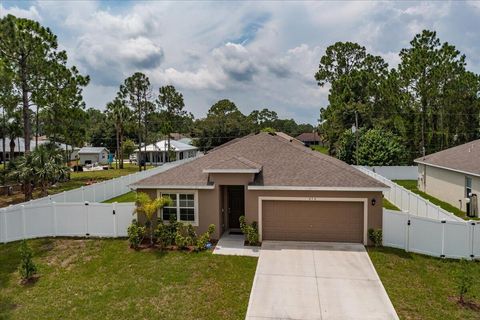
(104, 191)
(54, 214)
(64, 197)
(92, 186)
(86, 218)
(83, 194)
(407, 233)
(113, 186)
(443, 222)
(114, 212)
(24, 222)
(4, 213)
(472, 225)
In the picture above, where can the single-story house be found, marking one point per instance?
(453, 175)
(293, 193)
(91, 155)
(310, 139)
(156, 153)
(18, 145)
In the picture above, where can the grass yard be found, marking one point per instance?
(422, 287)
(104, 279)
(320, 149)
(388, 205)
(127, 197)
(412, 186)
(77, 180)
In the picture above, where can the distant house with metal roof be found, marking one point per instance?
(157, 153)
(91, 155)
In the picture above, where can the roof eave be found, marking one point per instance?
(182, 187)
(446, 168)
(231, 170)
(313, 188)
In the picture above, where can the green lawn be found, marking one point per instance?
(412, 186)
(321, 149)
(127, 197)
(388, 205)
(422, 287)
(104, 279)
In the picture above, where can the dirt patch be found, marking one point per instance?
(67, 252)
(466, 304)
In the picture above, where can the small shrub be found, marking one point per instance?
(204, 238)
(185, 236)
(136, 233)
(375, 236)
(27, 268)
(250, 231)
(465, 280)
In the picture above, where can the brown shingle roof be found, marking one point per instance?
(309, 136)
(283, 164)
(465, 158)
(235, 163)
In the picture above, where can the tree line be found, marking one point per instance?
(429, 102)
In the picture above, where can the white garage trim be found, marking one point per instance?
(364, 200)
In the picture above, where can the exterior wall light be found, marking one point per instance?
(374, 201)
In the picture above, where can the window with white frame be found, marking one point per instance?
(182, 207)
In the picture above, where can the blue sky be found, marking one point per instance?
(258, 54)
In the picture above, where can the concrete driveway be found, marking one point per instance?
(305, 280)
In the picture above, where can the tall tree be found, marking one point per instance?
(170, 102)
(136, 92)
(8, 102)
(119, 115)
(223, 123)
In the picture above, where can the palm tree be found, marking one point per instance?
(44, 166)
(148, 207)
(49, 165)
(119, 114)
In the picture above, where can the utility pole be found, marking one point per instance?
(356, 136)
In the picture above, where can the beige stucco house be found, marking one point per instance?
(292, 192)
(453, 175)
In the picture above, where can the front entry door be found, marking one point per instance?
(236, 205)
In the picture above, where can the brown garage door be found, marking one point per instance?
(313, 221)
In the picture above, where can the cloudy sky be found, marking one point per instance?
(258, 54)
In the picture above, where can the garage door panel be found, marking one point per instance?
(313, 221)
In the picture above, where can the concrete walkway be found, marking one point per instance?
(233, 245)
(304, 280)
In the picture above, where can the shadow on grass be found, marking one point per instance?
(392, 251)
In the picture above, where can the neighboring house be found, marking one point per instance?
(19, 146)
(310, 139)
(293, 193)
(186, 141)
(157, 153)
(453, 175)
(91, 155)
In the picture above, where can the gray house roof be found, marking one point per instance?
(281, 164)
(90, 150)
(464, 158)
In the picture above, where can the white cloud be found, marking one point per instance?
(257, 55)
(30, 13)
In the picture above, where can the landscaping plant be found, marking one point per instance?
(465, 280)
(136, 233)
(250, 231)
(148, 207)
(205, 238)
(375, 236)
(27, 268)
(185, 236)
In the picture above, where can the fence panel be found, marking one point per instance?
(405, 200)
(39, 221)
(110, 189)
(100, 220)
(456, 240)
(71, 219)
(394, 229)
(396, 172)
(74, 195)
(14, 224)
(425, 236)
(475, 239)
(124, 215)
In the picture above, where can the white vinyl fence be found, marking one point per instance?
(394, 172)
(101, 191)
(406, 200)
(66, 219)
(449, 239)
